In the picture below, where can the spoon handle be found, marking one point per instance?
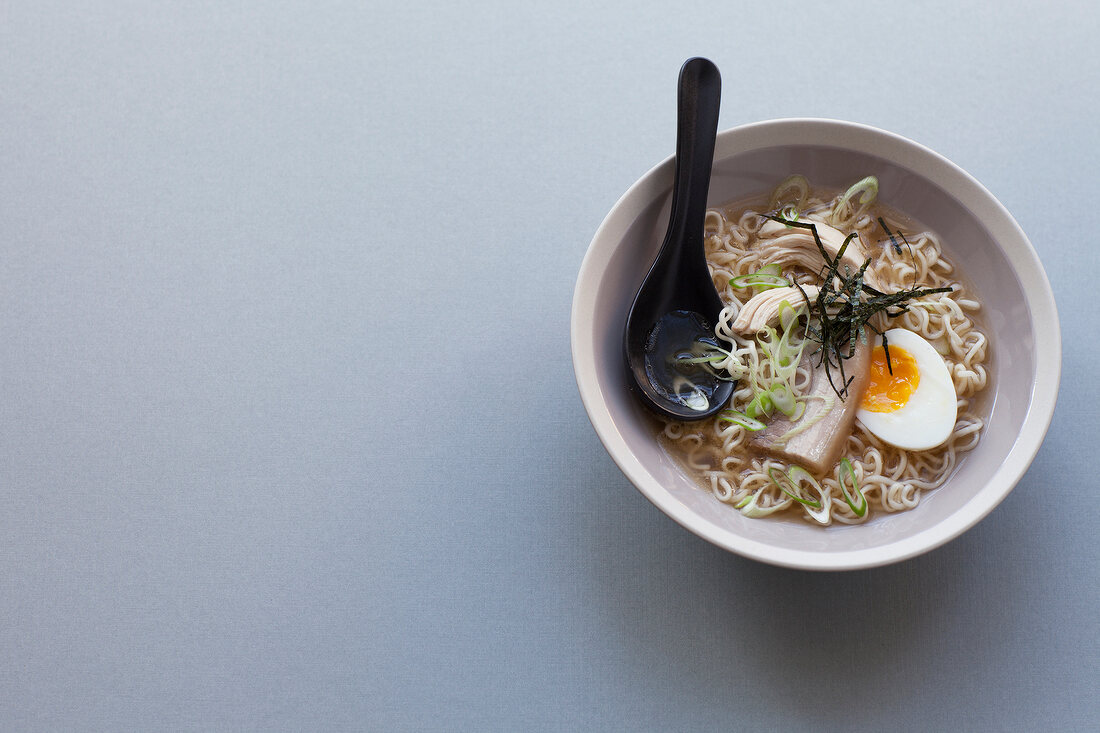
(700, 94)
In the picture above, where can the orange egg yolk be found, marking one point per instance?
(888, 392)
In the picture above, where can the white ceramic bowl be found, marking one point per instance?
(979, 235)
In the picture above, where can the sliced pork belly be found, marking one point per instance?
(818, 448)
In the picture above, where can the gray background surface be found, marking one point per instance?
(290, 437)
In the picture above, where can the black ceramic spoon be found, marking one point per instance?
(674, 313)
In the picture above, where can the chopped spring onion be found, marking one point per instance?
(773, 378)
(866, 189)
(783, 351)
(796, 185)
(740, 418)
(819, 510)
(806, 424)
(788, 316)
(783, 399)
(750, 506)
(790, 487)
(760, 405)
(791, 484)
(785, 356)
(715, 358)
(760, 279)
(845, 471)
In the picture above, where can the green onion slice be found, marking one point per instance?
(783, 399)
(750, 507)
(805, 424)
(791, 484)
(740, 418)
(761, 280)
(788, 351)
(760, 405)
(819, 508)
(788, 316)
(846, 473)
(866, 189)
(790, 487)
(797, 185)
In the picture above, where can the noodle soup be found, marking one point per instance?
(830, 421)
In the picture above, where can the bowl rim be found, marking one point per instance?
(922, 161)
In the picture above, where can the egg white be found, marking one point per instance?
(928, 418)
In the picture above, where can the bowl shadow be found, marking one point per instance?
(809, 642)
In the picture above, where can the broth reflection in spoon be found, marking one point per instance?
(674, 341)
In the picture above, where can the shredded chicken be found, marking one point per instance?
(798, 245)
(763, 310)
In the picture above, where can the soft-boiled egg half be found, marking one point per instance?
(911, 403)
